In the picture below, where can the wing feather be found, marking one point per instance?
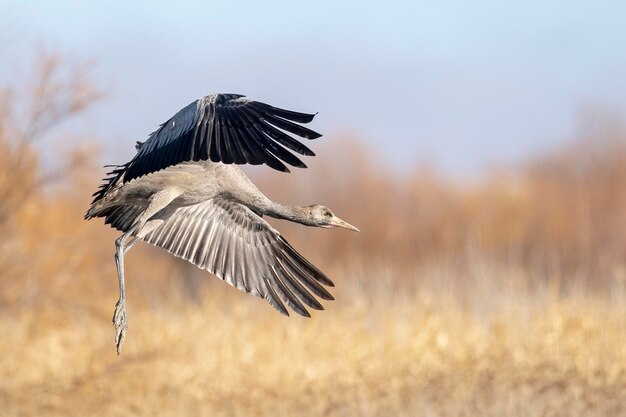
(209, 128)
(285, 114)
(226, 128)
(289, 297)
(232, 242)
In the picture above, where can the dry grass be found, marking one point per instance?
(503, 297)
(234, 356)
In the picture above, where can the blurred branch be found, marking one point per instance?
(75, 160)
(57, 96)
(60, 91)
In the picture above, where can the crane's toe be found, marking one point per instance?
(120, 323)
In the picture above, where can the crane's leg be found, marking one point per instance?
(119, 315)
(158, 202)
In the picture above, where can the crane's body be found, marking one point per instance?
(183, 192)
(186, 184)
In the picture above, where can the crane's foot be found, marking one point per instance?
(120, 323)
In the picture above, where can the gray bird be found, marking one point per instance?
(183, 192)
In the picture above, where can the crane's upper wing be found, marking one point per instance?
(226, 128)
(232, 242)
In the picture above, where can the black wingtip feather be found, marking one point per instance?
(292, 127)
(284, 139)
(285, 114)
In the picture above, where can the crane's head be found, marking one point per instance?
(321, 216)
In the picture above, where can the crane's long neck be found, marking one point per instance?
(298, 214)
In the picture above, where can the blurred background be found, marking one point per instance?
(479, 146)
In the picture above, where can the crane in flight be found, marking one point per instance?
(184, 192)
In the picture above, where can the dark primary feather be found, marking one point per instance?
(226, 128)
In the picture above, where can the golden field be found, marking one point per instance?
(503, 296)
(234, 357)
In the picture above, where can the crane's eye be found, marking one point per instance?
(327, 213)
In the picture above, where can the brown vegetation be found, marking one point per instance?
(500, 297)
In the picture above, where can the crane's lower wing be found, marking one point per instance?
(232, 242)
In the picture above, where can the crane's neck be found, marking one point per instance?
(298, 214)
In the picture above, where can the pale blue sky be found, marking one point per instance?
(465, 84)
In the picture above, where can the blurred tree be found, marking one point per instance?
(59, 92)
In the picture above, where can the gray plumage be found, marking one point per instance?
(183, 192)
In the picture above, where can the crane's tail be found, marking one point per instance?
(107, 190)
(101, 207)
(121, 217)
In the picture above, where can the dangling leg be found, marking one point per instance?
(158, 202)
(119, 315)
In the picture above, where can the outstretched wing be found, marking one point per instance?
(233, 243)
(226, 128)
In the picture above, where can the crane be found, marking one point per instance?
(184, 192)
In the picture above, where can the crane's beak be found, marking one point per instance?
(336, 221)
